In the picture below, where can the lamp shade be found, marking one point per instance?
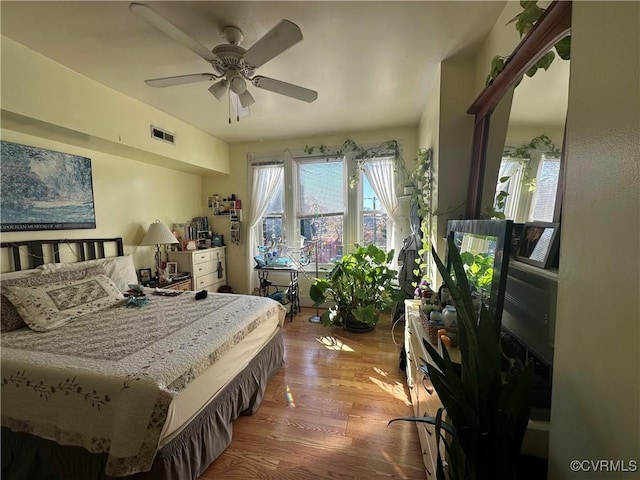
(158, 234)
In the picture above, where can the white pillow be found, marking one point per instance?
(120, 270)
(10, 318)
(51, 305)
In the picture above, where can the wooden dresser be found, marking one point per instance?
(426, 402)
(207, 267)
(423, 396)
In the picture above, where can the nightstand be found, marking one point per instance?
(183, 284)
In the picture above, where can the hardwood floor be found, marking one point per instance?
(325, 412)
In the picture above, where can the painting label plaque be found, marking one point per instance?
(45, 190)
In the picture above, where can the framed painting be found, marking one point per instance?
(45, 190)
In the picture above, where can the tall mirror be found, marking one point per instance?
(510, 113)
(524, 148)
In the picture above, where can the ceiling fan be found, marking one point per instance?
(233, 66)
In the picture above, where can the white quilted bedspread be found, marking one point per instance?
(105, 381)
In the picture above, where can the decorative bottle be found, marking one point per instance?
(450, 316)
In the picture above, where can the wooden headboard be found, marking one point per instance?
(37, 252)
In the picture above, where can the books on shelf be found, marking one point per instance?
(193, 230)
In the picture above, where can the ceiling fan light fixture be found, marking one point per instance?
(219, 89)
(237, 83)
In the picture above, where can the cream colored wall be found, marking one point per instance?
(128, 196)
(136, 179)
(38, 91)
(237, 182)
(428, 135)
(446, 127)
(501, 40)
(595, 411)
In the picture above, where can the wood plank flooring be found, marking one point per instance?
(325, 412)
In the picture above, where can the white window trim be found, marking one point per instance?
(352, 229)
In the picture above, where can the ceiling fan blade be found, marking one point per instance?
(284, 88)
(276, 41)
(179, 80)
(170, 30)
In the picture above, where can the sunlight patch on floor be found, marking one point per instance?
(396, 389)
(394, 461)
(332, 343)
(289, 396)
(380, 372)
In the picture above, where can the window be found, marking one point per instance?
(512, 171)
(321, 205)
(312, 201)
(374, 218)
(273, 219)
(533, 200)
(544, 196)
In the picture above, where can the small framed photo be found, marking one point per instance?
(145, 275)
(172, 269)
(538, 243)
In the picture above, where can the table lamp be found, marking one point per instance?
(158, 234)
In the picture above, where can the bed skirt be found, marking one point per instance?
(27, 457)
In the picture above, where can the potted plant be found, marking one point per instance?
(487, 406)
(361, 285)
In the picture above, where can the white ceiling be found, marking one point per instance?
(371, 62)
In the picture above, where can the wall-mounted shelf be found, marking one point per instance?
(225, 207)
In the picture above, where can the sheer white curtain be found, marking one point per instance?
(265, 181)
(510, 168)
(380, 173)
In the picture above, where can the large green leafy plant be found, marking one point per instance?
(487, 407)
(479, 270)
(361, 285)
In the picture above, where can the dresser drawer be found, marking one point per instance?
(201, 257)
(203, 281)
(207, 267)
(203, 268)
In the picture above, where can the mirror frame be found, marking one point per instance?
(553, 25)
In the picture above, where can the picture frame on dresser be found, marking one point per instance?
(145, 275)
(539, 244)
(172, 269)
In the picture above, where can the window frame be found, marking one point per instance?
(353, 225)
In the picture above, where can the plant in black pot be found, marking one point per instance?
(487, 405)
(361, 285)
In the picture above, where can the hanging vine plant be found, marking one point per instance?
(361, 154)
(524, 22)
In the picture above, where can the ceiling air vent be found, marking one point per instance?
(163, 135)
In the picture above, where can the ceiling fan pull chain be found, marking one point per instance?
(229, 104)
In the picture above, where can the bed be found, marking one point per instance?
(98, 389)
